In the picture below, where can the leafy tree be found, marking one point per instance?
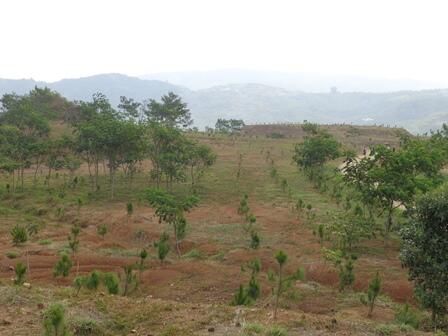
(170, 209)
(281, 258)
(129, 108)
(20, 271)
(19, 235)
(54, 321)
(63, 266)
(345, 262)
(316, 149)
(424, 250)
(198, 157)
(392, 178)
(170, 112)
(372, 293)
(229, 126)
(129, 209)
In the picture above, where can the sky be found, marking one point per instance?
(54, 39)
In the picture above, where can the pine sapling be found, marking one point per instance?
(372, 293)
(20, 271)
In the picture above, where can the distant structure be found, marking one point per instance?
(334, 90)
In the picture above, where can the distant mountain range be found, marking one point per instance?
(293, 81)
(417, 111)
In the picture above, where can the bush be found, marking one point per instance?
(54, 321)
(78, 283)
(20, 271)
(277, 331)
(45, 242)
(12, 254)
(19, 235)
(254, 240)
(86, 327)
(406, 315)
(93, 280)
(385, 329)
(112, 282)
(251, 329)
(63, 266)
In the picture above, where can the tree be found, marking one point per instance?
(129, 279)
(171, 210)
(54, 321)
(170, 112)
(227, 126)
(78, 283)
(372, 293)
(20, 271)
(73, 243)
(345, 262)
(424, 252)
(392, 178)
(198, 157)
(143, 255)
(63, 266)
(279, 281)
(316, 149)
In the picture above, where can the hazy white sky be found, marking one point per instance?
(54, 39)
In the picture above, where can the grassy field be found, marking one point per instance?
(191, 295)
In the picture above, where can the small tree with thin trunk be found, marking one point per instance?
(372, 293)
(171, 210)
(73, 243)
(279, 281)
(129, 279)
(63, 266)
(163, 247)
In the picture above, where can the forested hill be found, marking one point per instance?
(417, 111)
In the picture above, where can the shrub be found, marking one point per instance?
(385, 329)
(240, 298)
(78, 283)
(406, 315)
(277, 331)
(86, 327)
(54, 321)
(20, 271)
(102, 230)
(163, 247)
(254, 240)
(130, 280)
(93, 280)
(19, 235)
(251, 329)
(63, 266)
(45, 242)
(12, 254)
(112, 282)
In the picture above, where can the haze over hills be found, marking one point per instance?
(417, 111)
(294, 81)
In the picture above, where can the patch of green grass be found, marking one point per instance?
(45, 241)
(13, 254)
(252, 329)
(193, 254)
(277, 331)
